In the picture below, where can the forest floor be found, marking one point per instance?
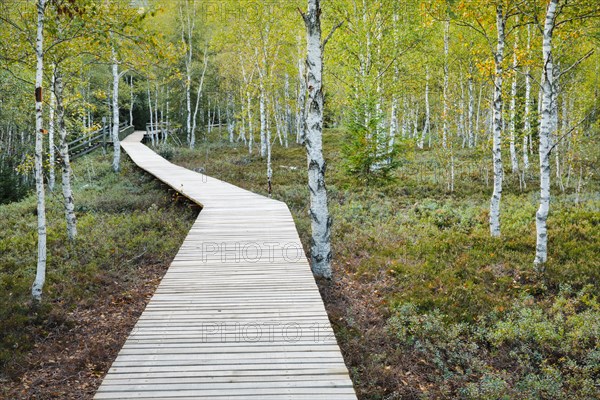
(423, 302)
(129, 230)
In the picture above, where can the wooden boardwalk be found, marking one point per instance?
(238, 314)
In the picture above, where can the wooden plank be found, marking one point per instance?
(234, 317)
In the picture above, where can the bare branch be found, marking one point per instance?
(576, 63)
(331, 33)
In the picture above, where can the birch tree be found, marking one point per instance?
(497, 123)
(40, 276)
(69, 203)
(426, 125)
(474, 15)
(527, 111)
(51, 152)
(188, 23)
(319, 213)
(445, 131)
(115, 108)
(513, 111)
(547, 88)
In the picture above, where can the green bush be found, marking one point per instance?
(531, 351)
(367, 154)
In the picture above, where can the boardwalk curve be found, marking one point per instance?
(238, 314)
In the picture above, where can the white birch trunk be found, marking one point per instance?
(393, 124)
(416, 122)
(527, 116)
(547, 88)
(319, 212)
(192, 140)
(300, 117)
(461, 124)
(497, 126)
(405, 118)
(152, 124)
(242, 134)
(156, 117)
(69, 202)
(250, 126)
(167, 130)
(230, 120)
(425, 131)
(269, 144)
(513, 111)
(445, 132)
(51, 153)
(40, 276)
(263, 121)
(288, 111)
(187, 30)
(555, 142)
(115, 113)
(209, 118)
(471, 110)
(278, 120)
(394, 112)
(131, 101)
(188, 106)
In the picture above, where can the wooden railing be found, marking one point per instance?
(98, 138)
(160, 130)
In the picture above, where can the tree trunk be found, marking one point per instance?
(278, 120)
(288, 111)
(51, 157)
(69, 203)
(263, 121)
(152, 124)
(547, 88)
(40, 276)
(471, 110)
(250, 132)
(269, 144)
(187, 30)
(192, 139)
(513, 112)
(131, 101)
(319, 212)
(230, 120)
(115, 111)
(167, 115)
(497, 126)
(421, 141)
(156, 117)
(242, 134)
(300, 116)
(393, 124)
(527, 116)
(445, 88)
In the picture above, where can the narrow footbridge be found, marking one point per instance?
(238, 314)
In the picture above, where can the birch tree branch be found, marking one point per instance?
(339, 24)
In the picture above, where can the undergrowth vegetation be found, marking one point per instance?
(126, 222)
(425, 304)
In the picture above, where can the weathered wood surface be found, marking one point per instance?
(238, 314)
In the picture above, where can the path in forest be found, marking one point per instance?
(238, 314)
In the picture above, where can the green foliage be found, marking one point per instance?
(532, 351)
(166, 151)
(367, 153)
(12, 186)
(125, 222)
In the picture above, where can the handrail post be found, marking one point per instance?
(104, 134)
